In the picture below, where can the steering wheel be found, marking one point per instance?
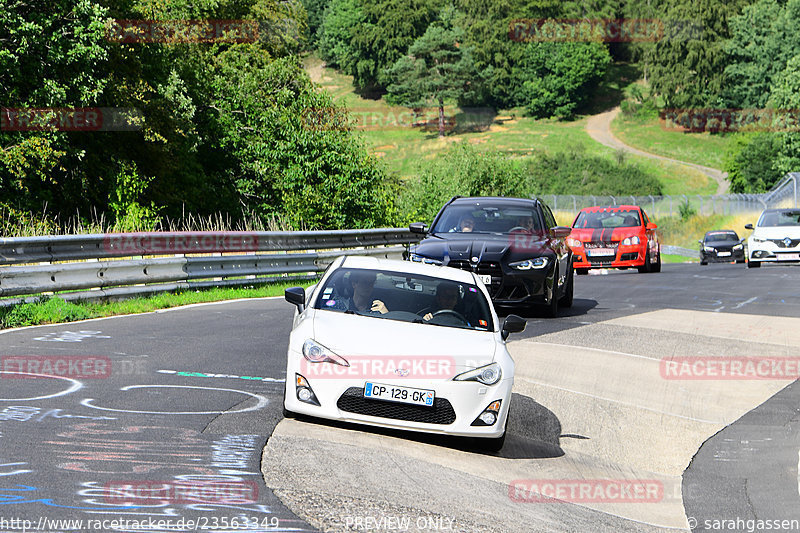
(451, 313)
(519, 228)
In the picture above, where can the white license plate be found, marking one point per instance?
(599, 252)
(788, 257)
(486, 279)
(723, 254)
(395, 393)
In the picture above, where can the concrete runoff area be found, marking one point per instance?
(579, 412)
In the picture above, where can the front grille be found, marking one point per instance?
(780, 244)
(353, 401)
(600, 244)
(490, 268)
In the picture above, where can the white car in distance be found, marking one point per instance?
(401, 345)
(775, 237)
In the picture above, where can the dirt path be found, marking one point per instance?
(599, 128)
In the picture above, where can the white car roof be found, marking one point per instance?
(375, 263)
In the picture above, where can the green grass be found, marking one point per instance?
(55, 310)
(403, 148)
(669, 258)
(649, 135)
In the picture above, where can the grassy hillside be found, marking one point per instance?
(389, 134)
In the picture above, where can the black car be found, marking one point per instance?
(721, 246)
(514, 246)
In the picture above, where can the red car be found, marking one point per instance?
(619, 236)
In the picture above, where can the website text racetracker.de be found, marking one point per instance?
(202, 523)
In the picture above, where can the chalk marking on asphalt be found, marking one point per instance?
(637, 356)
(261, 401)
(742, 304)
(76, 385)
(618, 401)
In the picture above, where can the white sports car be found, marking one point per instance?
(776, 237)
(401, 345)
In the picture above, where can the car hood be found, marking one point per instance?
(604, 235)
(483, 246)
(777, 232)
(363, 336)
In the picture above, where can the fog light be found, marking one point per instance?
(489, 415)
(488, 418)
(304, 392)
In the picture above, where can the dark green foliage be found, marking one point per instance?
(315, 10)
(750, 164)
(436, 68)
(763, 38)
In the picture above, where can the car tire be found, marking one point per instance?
(569, 291)
(496, 444)
(581, 271)
(740, 261)
(645, 268)
(702, 262)
(286, 412)
(551, 310)
(657, 266)
(753, 264)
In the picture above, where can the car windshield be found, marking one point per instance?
(405, 297)
(608, 219)
(722, 236)
(780, 218)
(488, 218)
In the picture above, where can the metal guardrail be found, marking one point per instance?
(117, 265)
(677, 250)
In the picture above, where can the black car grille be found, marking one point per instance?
(490, 268)
(353, 401)
(629, 257)
(781, 244)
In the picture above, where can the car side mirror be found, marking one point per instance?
(748, 226)
(418, 227)
(560, 232)
(512, 324)
(296, 296)
(701, 242)
(651, 226)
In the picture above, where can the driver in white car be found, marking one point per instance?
(446, 299)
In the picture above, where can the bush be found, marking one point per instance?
(43, 311)
(750, 163)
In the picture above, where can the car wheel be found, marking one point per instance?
(286, 412)
(702, 262)
(740, 261)
(569, 291)
(582, 271)
(753, 264)
(645, 268)
(551, 311)
(496, 444)
(657, 266)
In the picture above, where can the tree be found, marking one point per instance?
(436, 68)
(785, 95)
(341, 20)
(763, 38)
(687, 69)
(388, 29)
(554, 78)
(751, 162)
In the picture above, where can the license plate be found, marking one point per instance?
(486, 279)
(788, 257)
(601, 252)
(395, 393)
(723, 254)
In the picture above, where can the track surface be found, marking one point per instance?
(589, 404)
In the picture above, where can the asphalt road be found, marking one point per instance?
(163, 416)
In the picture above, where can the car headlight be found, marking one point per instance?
(627, 241)
(422, 259)
(314, 352)
(738, 246)
(528, 264)
(574, 242)
(709, 249)
(488, 375)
